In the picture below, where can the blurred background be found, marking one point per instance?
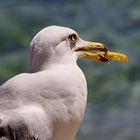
(113, 110)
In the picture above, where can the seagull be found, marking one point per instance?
(48, 101)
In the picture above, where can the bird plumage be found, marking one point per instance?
(47, 103)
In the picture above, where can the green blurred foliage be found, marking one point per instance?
(113, 88)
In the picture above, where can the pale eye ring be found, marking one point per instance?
(73, 38)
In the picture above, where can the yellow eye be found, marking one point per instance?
(73, 38)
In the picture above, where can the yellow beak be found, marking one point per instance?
(104, 56)
(93, 46)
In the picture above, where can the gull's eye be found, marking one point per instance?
(73, 38)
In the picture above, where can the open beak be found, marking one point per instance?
(88, 46)
(104, 55)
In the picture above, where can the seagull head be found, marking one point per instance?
(59, 45)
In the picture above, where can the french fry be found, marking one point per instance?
(114, 56)
(106, 56)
